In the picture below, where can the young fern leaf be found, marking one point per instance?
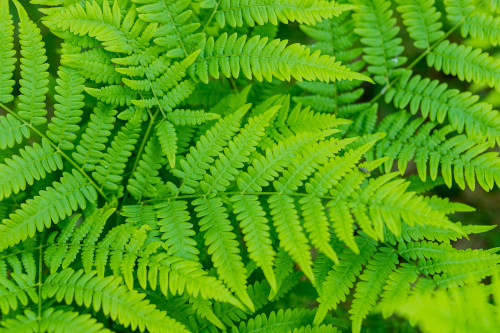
(32, 163)
(265, 168)
(113, 94)
(181, 117)
(51, 205)
(7, 59)
(17, 285)
(245, 12)
(397, 288)
(33, 71)
(231, 54)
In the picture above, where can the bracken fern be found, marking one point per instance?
(175, 166)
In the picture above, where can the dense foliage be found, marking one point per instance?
(179, 166)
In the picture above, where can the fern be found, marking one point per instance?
(232, 165)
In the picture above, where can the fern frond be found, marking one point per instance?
(422, 21)
(397, 288)
(33, 71)
(285, 320)
(264, 169)
(372, 280)
(181, 117)
(228, 55)
(433, 150)
(51, 320)
(222, 245)
(194, 166)
(236, 153)
(128, 307)
(12, 131)
(72, 238)
(109, 172)
(465, 62)
(17, 282)
(7, 59)
(341, 278)
(436, 101)
(245, 12)
(478, 25)
(68, 110)
(145, 180)
(255, 228)
(94, 64)
(167, 138)
(32, 163)
(176, 29)
(104, 23)
(378, 30)
(290, 232)
(49, 206)
(176, 228)
(90, 148)
(113, 94)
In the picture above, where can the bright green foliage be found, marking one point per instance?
(33, 71)
(178, 166)
(245, 12)
(7, 54)
(68, 110)
(456, 309)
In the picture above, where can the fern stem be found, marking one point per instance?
(211, 16)
(416, 61)
(66, 157)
